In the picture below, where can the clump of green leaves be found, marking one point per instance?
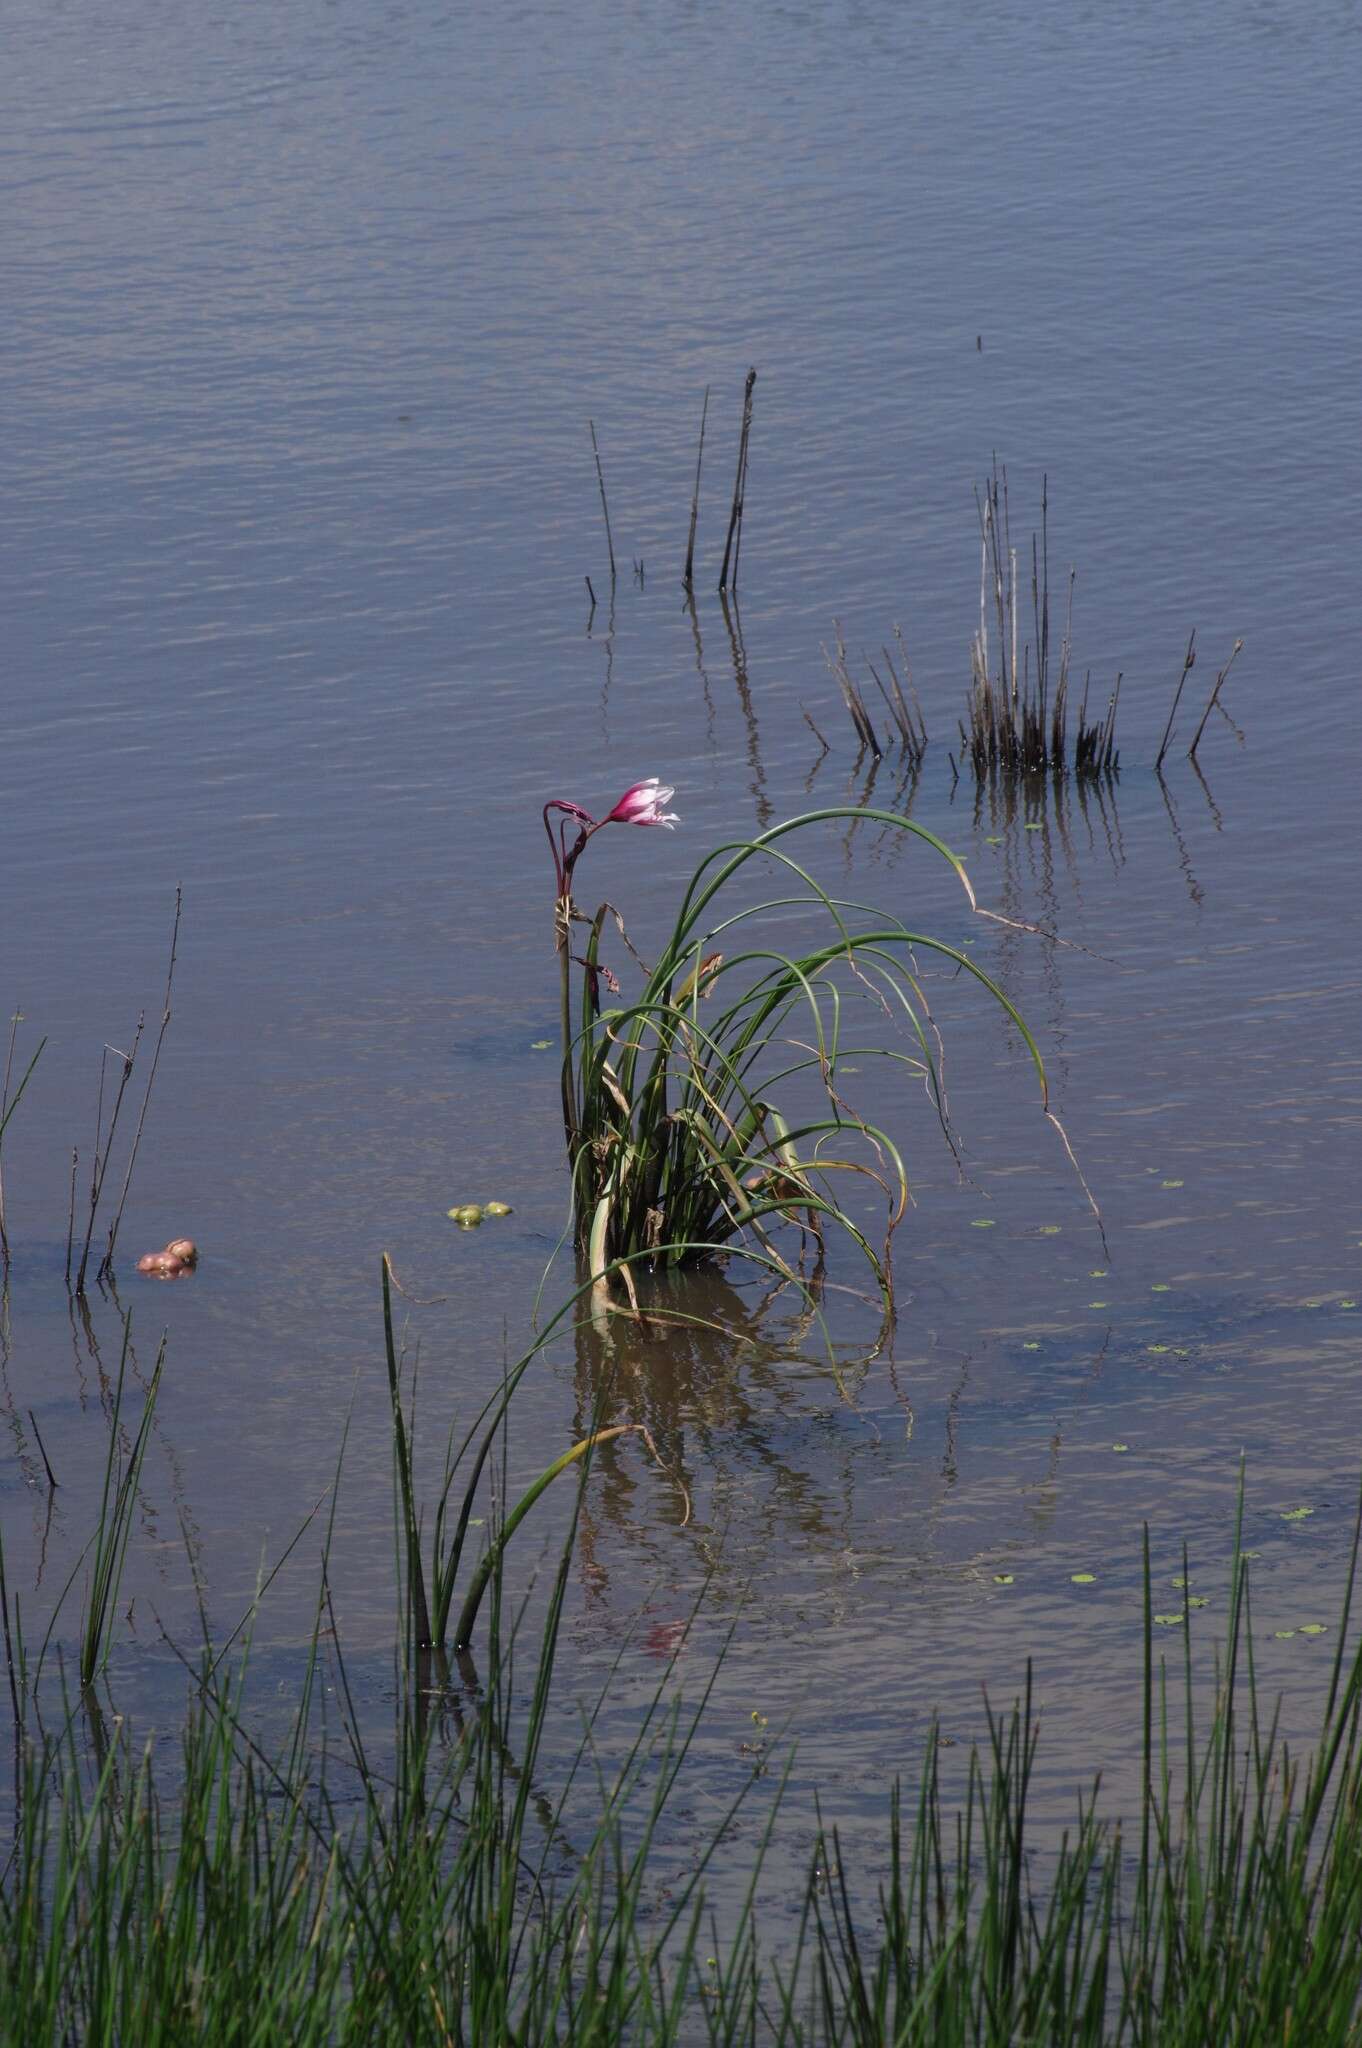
(711, 1111)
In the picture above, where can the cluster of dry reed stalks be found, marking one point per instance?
(728, 573)
(1016, 725)
(905, 711)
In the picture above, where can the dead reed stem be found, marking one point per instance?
(851, 696)
(1188, 664)
(1016, 722)
(42, 1452)
(8, 1106)
(688, 579)
(735, 516)
(600, 478)
(100, 1165)
(71, 1214)
(1214, 697)
(4, 1106)
(106, 1262)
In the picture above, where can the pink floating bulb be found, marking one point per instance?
(642, 805)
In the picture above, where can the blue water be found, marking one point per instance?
(306, 315)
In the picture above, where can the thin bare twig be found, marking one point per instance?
(106, 1262)
(1188, 664)
(7, 1109)
(42, 1448)
(688, 578)
(600, 478)
(101, 1163)
(734, 540)
(71, 1217)
(1215, 693)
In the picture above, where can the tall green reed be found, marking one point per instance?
(541, 1891)
(429, 1589)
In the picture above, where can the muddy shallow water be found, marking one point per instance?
(310, 319)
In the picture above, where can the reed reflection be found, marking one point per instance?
(730, 1386)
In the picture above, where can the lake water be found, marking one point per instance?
(307, 313)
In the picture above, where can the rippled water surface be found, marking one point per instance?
(307, 311)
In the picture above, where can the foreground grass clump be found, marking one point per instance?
(711, 1109)
(300, 1895)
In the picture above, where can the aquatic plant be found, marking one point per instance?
(430, 1584)
(678, 1145)
(488, 1882)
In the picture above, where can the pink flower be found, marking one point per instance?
(642, 805)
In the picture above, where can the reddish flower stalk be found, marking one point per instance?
(641, 804)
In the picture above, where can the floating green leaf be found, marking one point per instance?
(1033, 827)
(1169, 1620)
(983, 1222)
(1120, 1447)
(496, 1209)
(1099, 1304)
(1083, 1578)
(1180, 1581)
(540, 1044)
(1313, 1628)
(1171, 1183)
(1157, 1347)
(1283, 1634)
(1296, 1514)
(1160, 1287)
(1050, 1229)
(1098, 1272)
(994, 839)
(1002, 1578)
(1197, 1600)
